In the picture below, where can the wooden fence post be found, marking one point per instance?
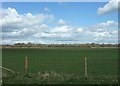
(86, 70)
(26, 64)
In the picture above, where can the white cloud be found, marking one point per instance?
(37, 29)
(22, 26)
(60, 29)
(12, 18)
(80, 29)
(42, 34)
(61, 22)
(103, 32)
(105, 25)
(109, 7)
(46, 9)
(115, 32)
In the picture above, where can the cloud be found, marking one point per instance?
(46, 9)
(22, 26)
(109, 7)
(61, 22)
(61, 29)
(80, 29)
(104, 25)
(12, 19)
(105, 32)
(37, 28)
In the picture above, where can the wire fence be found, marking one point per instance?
(85, 72)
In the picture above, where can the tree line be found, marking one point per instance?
(30, 45)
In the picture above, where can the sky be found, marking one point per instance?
(59, 22)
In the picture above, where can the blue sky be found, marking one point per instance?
(83, 12)
(78, 22)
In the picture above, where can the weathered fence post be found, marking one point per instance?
(26, 64)
(86, 70)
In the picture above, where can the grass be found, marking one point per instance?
(66, 62)
(57, 78)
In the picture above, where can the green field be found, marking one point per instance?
(101, 62)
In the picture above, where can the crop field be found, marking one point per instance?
(65, 64)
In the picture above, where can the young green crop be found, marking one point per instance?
(100, 61)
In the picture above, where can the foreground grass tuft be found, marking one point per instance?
(57, 78)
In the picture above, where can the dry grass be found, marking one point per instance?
(56, 78)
